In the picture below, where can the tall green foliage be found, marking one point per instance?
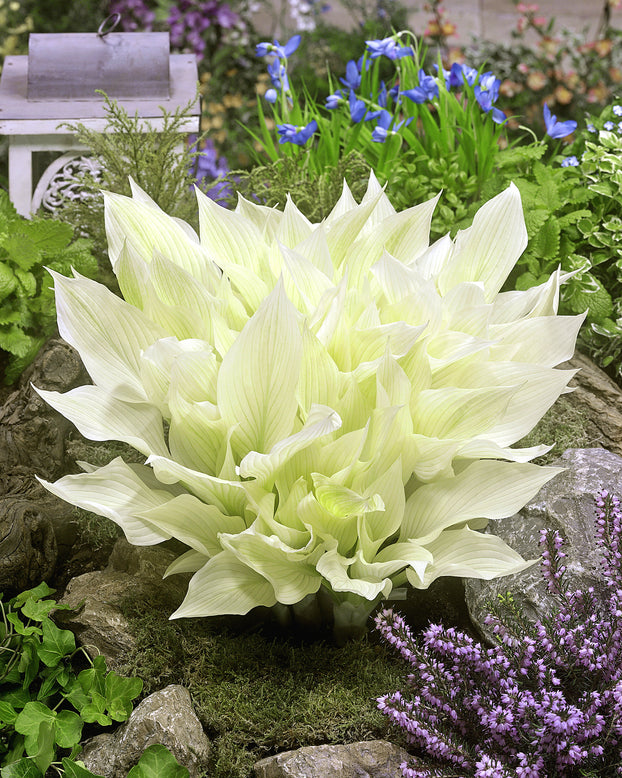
(27, 314)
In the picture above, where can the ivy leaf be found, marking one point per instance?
(8, 714)
(158, 762)
(24, 768)
(36, 609)
(76, 770)
(28, 722)
(57, 643)
(119, 695)
(68, 728)
(44, 756)
(37, 593)
(95, 710)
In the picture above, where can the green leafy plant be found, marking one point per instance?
(338, 397)
(27, 315)
(573, 215)
(389, 104)
(315, 195)
(44, 704)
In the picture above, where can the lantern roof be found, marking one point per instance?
(71, 66)
(63, 75)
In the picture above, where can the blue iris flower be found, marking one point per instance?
(388, 47)
(381, 131)
(290, 133)
(427, 89)
(332, 101)
(486, 93)
(271, 95)
(555, 129)
(357, 108)
(353, 75)
(282, 52)
(278, 75)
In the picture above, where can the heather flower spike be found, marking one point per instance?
(546, 700)
(340, 399)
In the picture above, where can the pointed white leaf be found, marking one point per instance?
(99, 416)
(259, 375)
(120, 492)
(485, 489)
(108, 333)
(224, 585)
(469, 554)
(488, 250)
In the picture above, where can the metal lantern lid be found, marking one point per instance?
(124, 65)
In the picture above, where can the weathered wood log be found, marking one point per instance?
(27, 545)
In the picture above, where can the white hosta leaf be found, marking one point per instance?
(319, 380)
(380, 525)
(321, 421)
(266, 219)
(408, 232)
(341, 501)
(460, 413)
(343, 231)
(189, 562)
(345, 203)
(542, 300)
(315, 250)
(197, 435)
(99, 416)
(227, 236)
(224, 585)
(543, 340)
(304, 281)
(398, 556)
(290, 571)
(294, 227)
(486, 489)
(322, 523)
(108, 333)
(119, 492)
(488, 250)
(430, 264)
(467, 553)
(334, 567)
(228, 496)
(259, 375)
(148, 229)
(192, 521)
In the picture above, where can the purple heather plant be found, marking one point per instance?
(545, 701)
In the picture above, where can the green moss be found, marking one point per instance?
(564, 426)
(260, 692)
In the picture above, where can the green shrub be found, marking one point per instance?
(27, 313)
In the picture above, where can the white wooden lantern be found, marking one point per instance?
(56, 84)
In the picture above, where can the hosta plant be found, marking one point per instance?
(322, 407)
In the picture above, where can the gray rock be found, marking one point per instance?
(134, 573)
(565, 504)
(166, 717)
(372, 759)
